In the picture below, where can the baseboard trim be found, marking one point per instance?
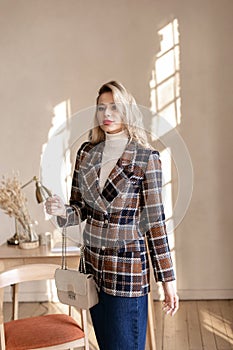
(196, 294)
(200, 294)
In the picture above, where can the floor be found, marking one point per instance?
(198, 325)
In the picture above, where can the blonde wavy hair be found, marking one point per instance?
(131, 114)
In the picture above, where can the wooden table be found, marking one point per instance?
(11, 256)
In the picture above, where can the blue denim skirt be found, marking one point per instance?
(120, 323)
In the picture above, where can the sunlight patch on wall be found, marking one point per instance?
(56, 170)
(165, 81)
(166, 115)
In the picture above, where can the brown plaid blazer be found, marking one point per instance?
(119, 219)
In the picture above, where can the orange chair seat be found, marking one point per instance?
(41, 331)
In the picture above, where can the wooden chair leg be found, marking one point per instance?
(85, 327)
(2, 334)
(15, 301)
(151, 324)
(2, 337)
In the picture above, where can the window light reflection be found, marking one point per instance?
(166, 103)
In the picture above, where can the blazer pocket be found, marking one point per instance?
(130, 262)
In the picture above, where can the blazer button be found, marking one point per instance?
(106, 223)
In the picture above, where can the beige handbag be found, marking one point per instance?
(75, 288)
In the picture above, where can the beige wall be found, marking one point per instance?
(56, 50)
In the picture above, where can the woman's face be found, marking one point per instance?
(108, 116)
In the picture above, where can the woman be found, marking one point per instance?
(116, 188)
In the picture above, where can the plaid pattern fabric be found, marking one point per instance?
(118, 219)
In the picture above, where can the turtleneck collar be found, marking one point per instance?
(123, 134)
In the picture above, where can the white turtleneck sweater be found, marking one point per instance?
(113, 150)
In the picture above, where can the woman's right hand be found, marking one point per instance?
(171, 301)
(54, 206)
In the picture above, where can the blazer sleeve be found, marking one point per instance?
(76, 209)
(153, 220)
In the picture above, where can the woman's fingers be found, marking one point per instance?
(171, 306)
(55, 206)
(171, 302)
(176, 305)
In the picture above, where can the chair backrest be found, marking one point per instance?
(26, 273)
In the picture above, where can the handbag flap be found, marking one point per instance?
(71, 281)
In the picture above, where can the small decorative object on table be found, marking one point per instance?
(14, 203)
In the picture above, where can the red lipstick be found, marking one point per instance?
(107, 122)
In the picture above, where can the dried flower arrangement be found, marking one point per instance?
(14, 203)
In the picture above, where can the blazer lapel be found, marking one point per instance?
(117, 182)
(89, 177)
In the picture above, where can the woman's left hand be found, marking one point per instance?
(54, 206)
(171, 301)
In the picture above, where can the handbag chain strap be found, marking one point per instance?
(64, 249)
(82, 267)
(82, 260)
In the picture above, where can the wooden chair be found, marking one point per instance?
(48, 332)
